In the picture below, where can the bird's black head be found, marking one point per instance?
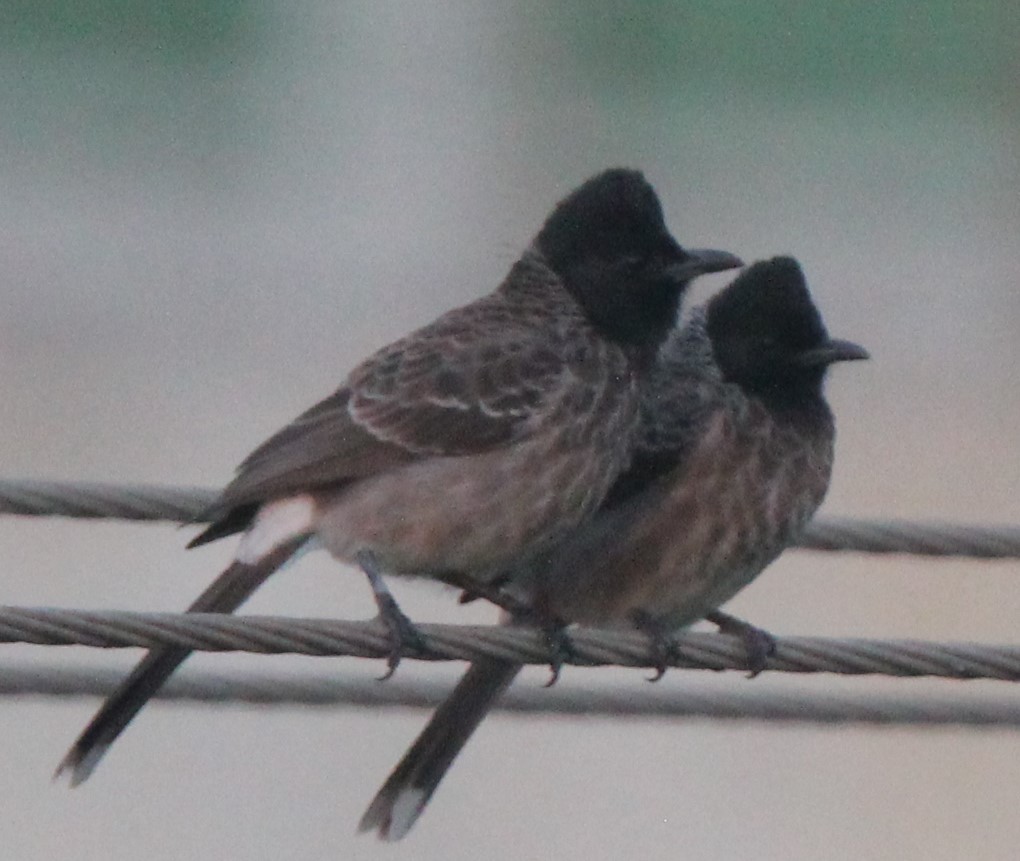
(768, 337)
(609, 243)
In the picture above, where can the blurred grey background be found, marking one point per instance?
(210, 211)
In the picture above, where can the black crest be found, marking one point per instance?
(609, 243)
(762, 325)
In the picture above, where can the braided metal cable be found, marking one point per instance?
(277, 635)
(187, 505)
(214, 632)
(99, 500)
(659, 701)
(907, 536)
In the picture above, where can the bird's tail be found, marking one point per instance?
(226, 594)
(397, 806)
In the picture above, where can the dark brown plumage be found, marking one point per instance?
(735, 454)
(471, 441)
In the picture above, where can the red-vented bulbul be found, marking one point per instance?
(469, 442)
(735, 453)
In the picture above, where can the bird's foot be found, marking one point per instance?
(759, 644)
(403, 633)
(561, 650)
(664, 647)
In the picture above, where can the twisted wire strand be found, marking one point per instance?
(278, 635)
(657, 701)
(100, 500)
(188, 505)
(213, 632)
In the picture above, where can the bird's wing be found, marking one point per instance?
(450, 389)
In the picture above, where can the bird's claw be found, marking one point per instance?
(665, 653)
(561, 651)
(759, 644)
(664, 648)
(404, 636)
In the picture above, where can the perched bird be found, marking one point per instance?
(517, 411)
(735, 453)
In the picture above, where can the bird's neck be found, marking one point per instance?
(801, 406)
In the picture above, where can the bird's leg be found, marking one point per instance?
(665, 650)
(472, 589)
(759, 643)
(402, 631)
(561, 648)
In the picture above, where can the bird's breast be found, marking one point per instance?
(700, 533)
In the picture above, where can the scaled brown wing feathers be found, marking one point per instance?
(431, 394)
(323, 446)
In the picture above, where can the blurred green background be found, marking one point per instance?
(211, 211)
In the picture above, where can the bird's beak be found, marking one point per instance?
(833, 350)
(701, 261)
